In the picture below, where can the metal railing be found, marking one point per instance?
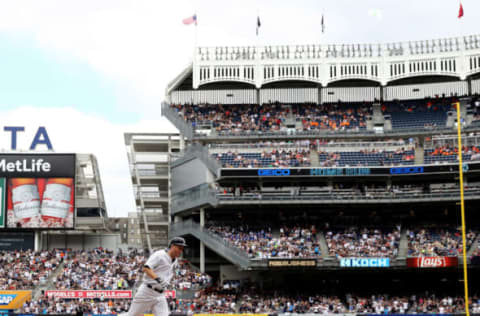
(194, 198)
(348, 196)
(216, 243)
(152, 173)
(185, 128)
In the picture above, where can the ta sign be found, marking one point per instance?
(40, 138)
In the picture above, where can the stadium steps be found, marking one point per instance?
(212, 241)
(323, 246)
(403, 246)
(314, 159)
(474, 246)
(451, 120)
(419, 155)
(377, 117)
(37, 292)
(197, 151)
(171, 114)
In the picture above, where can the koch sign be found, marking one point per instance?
(365, 262)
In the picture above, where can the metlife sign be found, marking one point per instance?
(365, 262)
(37, 165)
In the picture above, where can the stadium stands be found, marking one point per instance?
(23, 270)
(291, 242)
(430, 113)
(363, 242)
(436, 241)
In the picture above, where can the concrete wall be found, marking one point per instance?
(80, 241)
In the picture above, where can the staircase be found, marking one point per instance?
(314, 160)
(323, 245)
(419, 155)
(185, 128)
(403, 246)
(37, 292)
(212, 241)
(377, 117)
(473, 246)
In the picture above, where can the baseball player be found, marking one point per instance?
(158, 271)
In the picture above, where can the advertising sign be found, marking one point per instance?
(14, 299)
(348, 171)
(40, 203)
(11, 241)
(365, 262)
(284, 263)
(3, 194)
(432, 262)
(107, 294)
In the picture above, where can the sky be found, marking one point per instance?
(91, 70)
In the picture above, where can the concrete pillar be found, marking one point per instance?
(38, 241)
(202, 245)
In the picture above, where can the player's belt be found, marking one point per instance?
(155, 289)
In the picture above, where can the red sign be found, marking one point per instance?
(432, 262)
(89, 294)
(171, 294)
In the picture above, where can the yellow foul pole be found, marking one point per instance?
(462, 207)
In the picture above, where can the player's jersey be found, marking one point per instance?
(163, 266)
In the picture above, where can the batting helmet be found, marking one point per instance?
(179, 241)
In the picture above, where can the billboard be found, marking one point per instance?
(40, 202)
(11, 241)
(93, 294)
(3, 194)
(432, 262)
(108, 294)
(297, 263)
(365, 262)
(14, 299)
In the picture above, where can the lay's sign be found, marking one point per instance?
(14, 299)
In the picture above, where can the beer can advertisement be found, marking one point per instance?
(40, 203)
(432, 262)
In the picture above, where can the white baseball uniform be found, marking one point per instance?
(147, 299)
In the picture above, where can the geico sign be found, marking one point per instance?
(273, 172)
(406, 170)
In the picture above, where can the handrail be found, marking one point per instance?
(218, 244)
(184, 128)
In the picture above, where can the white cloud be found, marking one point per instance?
(72, 131)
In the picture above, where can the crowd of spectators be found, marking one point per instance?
(291, 242)
(235, 118)
(422, 304)
(437, 104)
(26, 269)
(99, 269)
(221, 301)
(212, 301)
(334, 117)
(363, 242)
(187, 278)
(53, 306)
(272, 117)
(448, 150)
(257, 303)
(432, 242)
(277, 158)
(366, 157)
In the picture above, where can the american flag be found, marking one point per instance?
(190, 20)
